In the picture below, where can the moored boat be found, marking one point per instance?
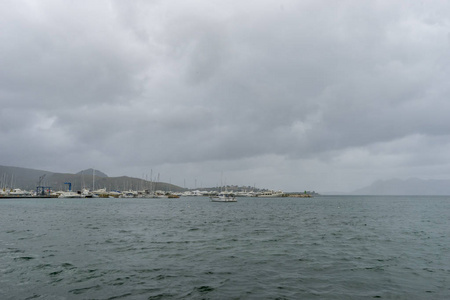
(223, 197)
(19, 193)
(269, 194)
(69, 194)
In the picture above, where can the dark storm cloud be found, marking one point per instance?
(256, 89)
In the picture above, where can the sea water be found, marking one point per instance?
(327, 247)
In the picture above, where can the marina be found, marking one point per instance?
(218, 196)
(214, 195)
(222, 194)
(91, 183)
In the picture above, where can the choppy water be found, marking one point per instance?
(190, 248)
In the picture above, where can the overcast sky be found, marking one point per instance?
(291, 95)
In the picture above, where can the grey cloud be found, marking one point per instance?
(185, 87)
(59, 56)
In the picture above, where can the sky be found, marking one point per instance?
(291, 95)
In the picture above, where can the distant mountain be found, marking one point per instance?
(411, 186)
(21, 177)
(90, 172)
(28, 179)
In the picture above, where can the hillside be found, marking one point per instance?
(20, 177)
(91, 171)
(27, 179)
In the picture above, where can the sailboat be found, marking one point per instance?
(223, 196)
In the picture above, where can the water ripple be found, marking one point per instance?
(325, 248)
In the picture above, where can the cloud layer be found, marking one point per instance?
(293, 95)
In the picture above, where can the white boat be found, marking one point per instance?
(245, 194)
(19, 193)
(270, 194)
(100, 193)
(128, 194)
(223, 197)
(85, 193)
(69, 194)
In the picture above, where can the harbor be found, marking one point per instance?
(104, 193)
(91, 183)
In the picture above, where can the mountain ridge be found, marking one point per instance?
(29, 179)
(91, 171)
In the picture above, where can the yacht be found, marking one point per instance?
(223, 197)
(69, 194)
(18, 193)
(270, 194)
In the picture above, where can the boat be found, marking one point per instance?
(270, 194)
(85, 193)
(19, 193)
(15, 193)
(69, 194)
(223, 197)
(100, 193)
(128, 194)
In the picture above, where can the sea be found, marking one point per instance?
(326, 247)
